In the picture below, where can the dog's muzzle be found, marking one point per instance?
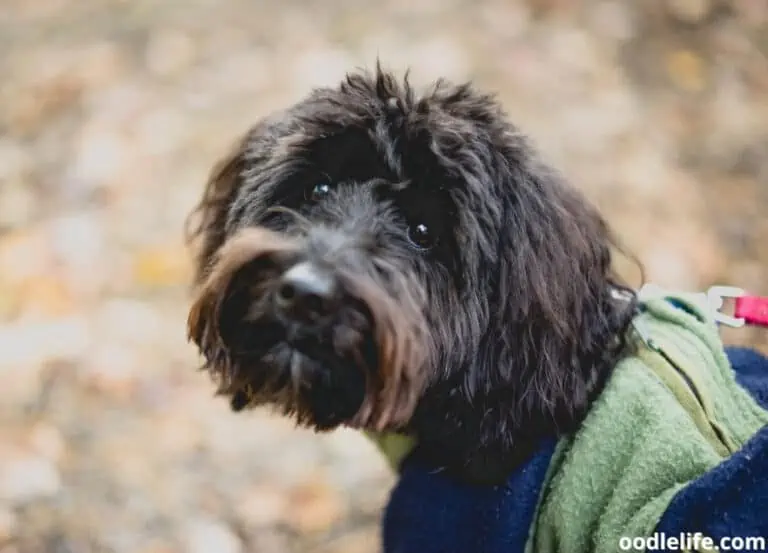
(334, 340)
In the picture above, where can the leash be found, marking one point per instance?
(748, 309)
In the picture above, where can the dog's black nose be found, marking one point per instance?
(306, 293)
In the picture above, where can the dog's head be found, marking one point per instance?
(381, 260)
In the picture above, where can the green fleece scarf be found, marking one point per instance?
(668, 414)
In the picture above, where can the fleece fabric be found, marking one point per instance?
(675, 443)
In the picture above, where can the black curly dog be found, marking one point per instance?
(374, 258)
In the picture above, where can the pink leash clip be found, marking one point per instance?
(753, 310)
(748, 309)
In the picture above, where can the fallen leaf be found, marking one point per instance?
(161, 266)
(23, 254)
(315, 506)
(46, 440)
(43, 295)
(687, 70)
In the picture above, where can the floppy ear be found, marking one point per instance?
(205, 233)
(560, 324)
(205, 226)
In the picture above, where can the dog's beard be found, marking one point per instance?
(318, 373)
(362, 366)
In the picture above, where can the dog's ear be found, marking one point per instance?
(205, 226)
(205, 233)
(559, 327)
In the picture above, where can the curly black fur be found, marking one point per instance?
(441, 206)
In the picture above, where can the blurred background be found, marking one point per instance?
(112, 113)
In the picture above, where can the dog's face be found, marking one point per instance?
(379, 260)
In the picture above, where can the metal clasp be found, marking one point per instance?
(716, 296)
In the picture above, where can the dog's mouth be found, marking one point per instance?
(319, 370)
(307, 373)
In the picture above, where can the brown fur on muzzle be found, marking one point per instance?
(258, 256)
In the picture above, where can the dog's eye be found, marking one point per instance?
(320, 190)
(421, 237)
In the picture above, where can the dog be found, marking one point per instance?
(408, 264)
(381, 261)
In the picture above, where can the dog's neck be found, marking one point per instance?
(480, 440)
(474, 445)
(482, 447)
